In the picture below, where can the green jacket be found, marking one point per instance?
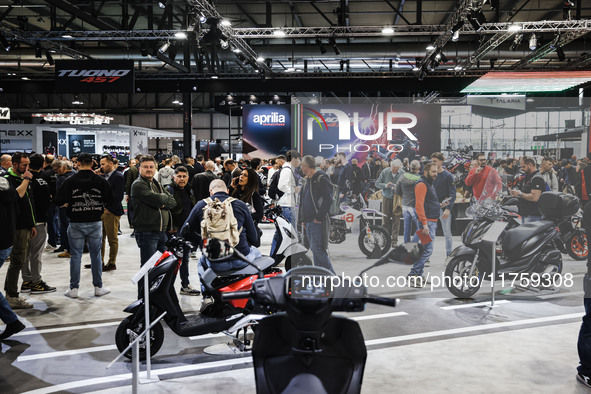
(151, 210)
(131, 175)
(385, 177)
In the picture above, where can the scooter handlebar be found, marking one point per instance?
(382, 300)
(236, 295)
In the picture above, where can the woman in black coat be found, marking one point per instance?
(246, 188)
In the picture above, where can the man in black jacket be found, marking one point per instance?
(8, 205)
(315, 202)
(31, 272)
(179, 188)
(53, 223)
(200, 184)
(20, 177)
(113, 212)
(85, 196)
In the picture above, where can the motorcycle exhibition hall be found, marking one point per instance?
(371, 89)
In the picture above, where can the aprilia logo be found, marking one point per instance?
(273, 118)
(93, 73)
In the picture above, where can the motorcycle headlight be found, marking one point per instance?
(156, 283)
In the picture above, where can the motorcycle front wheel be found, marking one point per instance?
(123, 338)
(457, 279)
(377, 235)
(577, 247)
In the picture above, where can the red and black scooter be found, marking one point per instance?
(222, 316)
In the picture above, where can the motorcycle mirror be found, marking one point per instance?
(217, 251)
(406, 253)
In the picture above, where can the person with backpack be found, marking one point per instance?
(529, 191)
(227, 219)
(316, 199)
(283, 188)
(180, 190)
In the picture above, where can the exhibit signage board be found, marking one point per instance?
(84, 143)
(138, 142)
(94, 76)
(267, 130)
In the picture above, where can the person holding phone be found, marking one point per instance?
(446, 194)
(479, 174)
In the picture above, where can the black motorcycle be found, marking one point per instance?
(300, 347)
(573, 238)
(529, 251)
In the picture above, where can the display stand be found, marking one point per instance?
(490, 240)
(142, 273)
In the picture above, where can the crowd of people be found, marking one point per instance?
(84, 208)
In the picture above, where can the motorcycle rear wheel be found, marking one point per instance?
(456, 276)
(123, 339)
(378, 235)
(577, 246)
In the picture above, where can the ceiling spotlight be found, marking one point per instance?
(224, 44)
(516, 41)
(260, 59)
(279, 33)
(236, 50)
(438, 56)
(214, 77)
(514, 28)
(164, 47)
(202, 18)
(533, 42)
(456, 36)
(458, 68)
(333, 44)
(25, 78)
(388, 30)
(225, 22)
(49, 58)
(181, 35)
(321, 46)
(161, 5)
(430, 47)
(567, 7)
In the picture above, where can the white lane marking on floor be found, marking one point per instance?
(462, 306)
(62, 329)
(157, 372)
(66, 353)
(484, 327)
(558, 295)
(410, 293)
(380, 316)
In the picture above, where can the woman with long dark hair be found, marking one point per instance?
(246, 188)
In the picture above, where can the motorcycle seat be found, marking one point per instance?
(515, 237)
(263, 263)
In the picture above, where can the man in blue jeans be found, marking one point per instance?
(85, 196)
(151, 210)
(427, 207)
(288, 186)
(446, 194)
(8, 198)
(315, 202)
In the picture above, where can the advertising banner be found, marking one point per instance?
(49, 142)
(266, 130)
(94, 76)
(4, 113)
(138, 142)
(62, 148)
(386, 131)
(81, 144)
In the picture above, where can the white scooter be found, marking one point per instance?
(356, 216)
(288, 246)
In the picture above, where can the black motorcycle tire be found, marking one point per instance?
(456, 267)
(577, 247)
(123, 340)
(382, 236)
(298, 260)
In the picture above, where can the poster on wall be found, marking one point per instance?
(62, 148)
(81, 144)
(384, 131)
(138, 142)
(266, 130)
(49, 142)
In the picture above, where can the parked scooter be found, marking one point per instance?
(304, 347)
(288, 248)
(356, 214)
(573, 237)
(530, 250)
(227, 316)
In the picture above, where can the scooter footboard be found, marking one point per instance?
(200, 325)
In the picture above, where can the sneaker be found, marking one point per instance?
(427, 263)
(41, 288)
(206, 303)
(49, 247)
(18, 303)
(11, 329)
(65, 254)
(59, 250)
(193, 255)
(72, 293)
(101, 291)
(132, 234)
(190, 290)
(119, 232)
(586, 380)
(87, 266)
(26, 287)
(415, 281)
(109, 267)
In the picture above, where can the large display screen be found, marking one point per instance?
(266, 130)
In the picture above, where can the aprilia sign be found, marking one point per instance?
(94, 76)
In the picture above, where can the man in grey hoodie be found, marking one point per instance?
(165, 173)
(406, 188)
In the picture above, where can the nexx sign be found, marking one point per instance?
(94, 76)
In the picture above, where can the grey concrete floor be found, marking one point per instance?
(431, 343)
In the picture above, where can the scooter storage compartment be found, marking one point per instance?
(555, 205)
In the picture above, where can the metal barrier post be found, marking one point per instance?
(147, 313)
(136, 367)
(491, 237)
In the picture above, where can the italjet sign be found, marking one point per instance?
(94, 76)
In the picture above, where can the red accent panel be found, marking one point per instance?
(244, 284)
(164, 256)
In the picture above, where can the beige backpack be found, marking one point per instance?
(219, 221)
